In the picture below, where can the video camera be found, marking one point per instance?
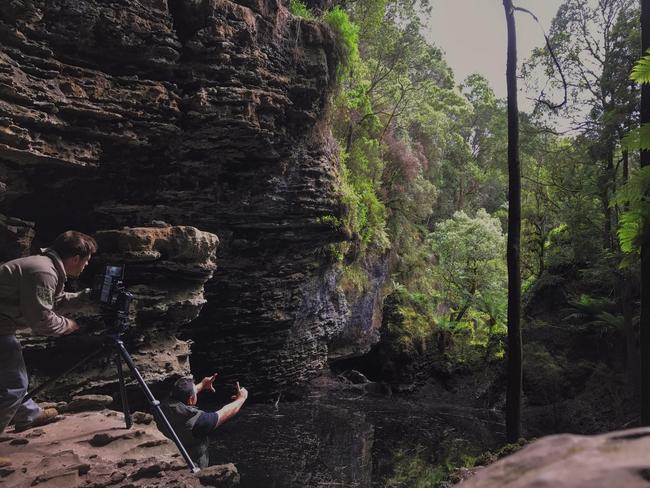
(109, 290)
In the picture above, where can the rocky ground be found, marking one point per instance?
(615, 459)
(93, 449)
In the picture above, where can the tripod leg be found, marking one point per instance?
(155, 405)
(125, 401)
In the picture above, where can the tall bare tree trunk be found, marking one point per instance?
(627, 289)
(513, 395)
(645, 248)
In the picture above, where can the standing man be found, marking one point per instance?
(30, 288)
(192, 425)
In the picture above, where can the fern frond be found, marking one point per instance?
(606, 320)
(637, 139)
(634, 191)
(629, 231)
(629, 261)
(641, 70)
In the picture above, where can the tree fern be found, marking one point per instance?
(633, 192)
(633, 195)
(637, 139)
(629, 231)
(641, 71)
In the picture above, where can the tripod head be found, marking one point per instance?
(109, 290)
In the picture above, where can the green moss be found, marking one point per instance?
(412, 469)
(409, 320)
(489, 457)
(354, 279)
(299, 9)
(366, 217)
(331, 220)
(347, 33)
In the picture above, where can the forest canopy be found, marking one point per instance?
(424, 167)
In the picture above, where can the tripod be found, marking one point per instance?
(114, 344)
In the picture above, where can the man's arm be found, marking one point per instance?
(36, 303)
(68, 298)
(229, 411)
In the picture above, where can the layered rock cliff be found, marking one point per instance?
(166, 268)
(203, 113)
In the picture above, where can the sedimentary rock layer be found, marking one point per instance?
(206, 113)
(166, 268)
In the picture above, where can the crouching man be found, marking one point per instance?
(30, 290)
(192, 425)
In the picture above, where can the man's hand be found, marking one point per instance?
(207, 383)
(229, 411)
(240, 394)
(73, 327)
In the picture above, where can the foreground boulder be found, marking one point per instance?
(561, 461)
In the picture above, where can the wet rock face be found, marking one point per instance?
(203, 113)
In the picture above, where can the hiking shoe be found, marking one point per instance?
(47, 416)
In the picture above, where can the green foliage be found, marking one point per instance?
(489, 457)
(413, 470)
(420, 157)
(354, 279)
(544, 374)
(366, 217)
(471, 260)
(637, 139)
(416, 468)
(347, 33)
(409, 320)
(299, 9)
(629, 231)
(641, 70)
(632, 233)
(599, 316)
(330, 220)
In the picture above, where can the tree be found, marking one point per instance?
(515, 373)
(595, 44)
(470, 261)
(645, 248)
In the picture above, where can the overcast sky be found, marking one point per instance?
(472, 33)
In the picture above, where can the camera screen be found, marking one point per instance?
(112, 273)
(116, 271)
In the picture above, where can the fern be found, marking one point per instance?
(629, 231)
(633, 230)
(633, 192)
(638, 138)
(633, 195)
(592, 312)
(641, 71)
(608, 322)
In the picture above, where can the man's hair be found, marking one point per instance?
(73, 243)
(183, 389)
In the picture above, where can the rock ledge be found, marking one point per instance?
(93, 449)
